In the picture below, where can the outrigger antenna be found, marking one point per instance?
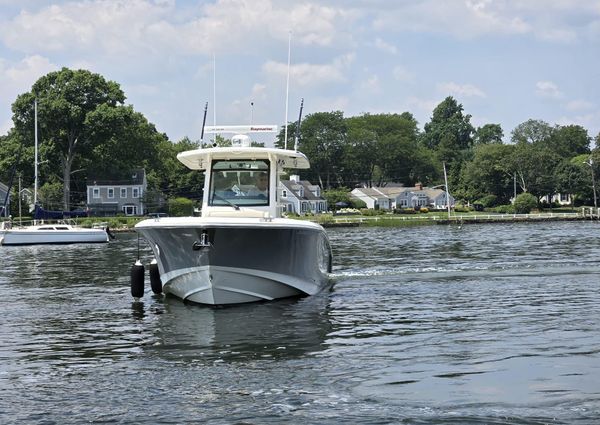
(297, 135)
(203, 124)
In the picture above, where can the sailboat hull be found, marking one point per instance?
(219, 262)
(36, 235)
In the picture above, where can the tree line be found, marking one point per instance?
(86, 131)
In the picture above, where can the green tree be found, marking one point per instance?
(323, 136)
(532, 132)
(449, 134)
(488, 174)
(570, 140)
(573, 177)
(66, 99)
(488, 134)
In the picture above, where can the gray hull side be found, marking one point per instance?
(227, 265)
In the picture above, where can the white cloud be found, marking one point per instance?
(461, 90)
(579, 105)
(305, 74)
(386, 47)
(547, 89)
(17, 78)
(402, 74)
(548, 20)
(145, 27)
(372, 84)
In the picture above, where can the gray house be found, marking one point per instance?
(300, 197)
(114, 196)
(4, 211)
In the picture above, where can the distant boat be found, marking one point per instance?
(241, 249)
(42, 232)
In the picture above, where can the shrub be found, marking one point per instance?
(524, 203)
(358, 204)
(180, 207)
(424, 210)
(488, 201)
(462, 208)
(505, 209)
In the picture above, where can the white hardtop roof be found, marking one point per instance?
(199, 159)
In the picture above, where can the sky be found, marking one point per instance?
(505, 61)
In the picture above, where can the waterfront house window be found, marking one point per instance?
(123, 192)
(96, 193)
(136, 192)
(284, 194)
(110, 192)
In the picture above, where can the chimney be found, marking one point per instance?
(295, 178)
(419, 186)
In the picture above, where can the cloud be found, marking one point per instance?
(372, 84)
(146, 27)
(305, 74)
(579, 105)
(17, 78)
(548, 20)
(548, 89)
(461, 90)
(384, 46)
(400, 73)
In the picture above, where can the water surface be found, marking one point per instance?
(484, 324)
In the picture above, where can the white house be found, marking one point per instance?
(300, 196)
(388, 198)
(113, 196)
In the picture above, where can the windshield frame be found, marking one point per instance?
(234, 183)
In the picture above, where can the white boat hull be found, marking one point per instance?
(33, 236)
(240, 261)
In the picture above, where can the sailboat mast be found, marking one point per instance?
(447, 189)
(35, 160)
(287, 91)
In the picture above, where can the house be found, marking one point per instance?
(300, 197)
(388, 198)
(107, 197)
(559, 198)
(4, 209)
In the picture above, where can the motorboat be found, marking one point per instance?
(241, 249)
(51, 233)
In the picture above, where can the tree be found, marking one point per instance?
(532, 132)
(488, 173)
(323, 138)
(573, 177)
(569, 141)
(488, 134)
(450, 135)
(66, 99)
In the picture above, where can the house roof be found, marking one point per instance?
(292, 186)
(3, 187)
(133, 177)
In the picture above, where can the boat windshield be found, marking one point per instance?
(239, 183)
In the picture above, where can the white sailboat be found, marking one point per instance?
(44, 232)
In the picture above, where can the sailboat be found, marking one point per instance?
(241, 249)
(42, 232)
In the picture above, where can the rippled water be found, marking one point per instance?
(484, 324)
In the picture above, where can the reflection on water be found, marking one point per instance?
(493, 324)
(280, 329)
